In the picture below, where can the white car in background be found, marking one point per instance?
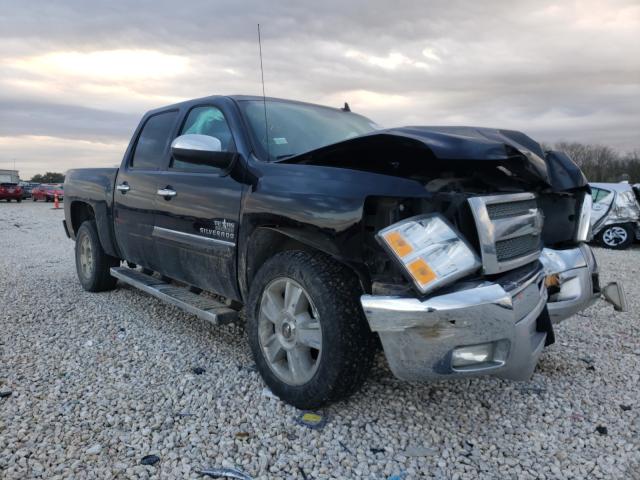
(615, 215)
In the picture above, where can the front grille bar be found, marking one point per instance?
(509, 228)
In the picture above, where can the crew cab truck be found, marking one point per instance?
(454, 248)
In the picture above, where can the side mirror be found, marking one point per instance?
(201, 150)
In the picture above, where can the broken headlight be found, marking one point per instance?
(429, 250)
(583, 231)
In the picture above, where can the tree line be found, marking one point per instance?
(49, 177)
(601, 163)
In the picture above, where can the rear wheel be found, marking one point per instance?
(92, 263)
(18, 200)
(617, 237)
(307, 332)
(34, 199)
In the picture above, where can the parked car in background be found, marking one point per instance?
(26, 188)
(47, 192)
(615, 217)
(10, 191)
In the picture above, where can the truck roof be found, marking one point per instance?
(239, 98)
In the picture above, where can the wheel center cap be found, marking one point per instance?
(288, 330)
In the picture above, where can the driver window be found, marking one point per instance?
(206, 121)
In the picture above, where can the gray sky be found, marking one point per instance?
(76, 76)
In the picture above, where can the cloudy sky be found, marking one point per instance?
(76, 76)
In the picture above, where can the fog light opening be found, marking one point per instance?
(473, 355)
(489, 355)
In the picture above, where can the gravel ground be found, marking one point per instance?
(100, 381)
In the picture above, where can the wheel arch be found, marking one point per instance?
(81, 211)
(266, 241)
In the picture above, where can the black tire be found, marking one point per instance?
(97, 278)
(8, 200)
(19, 200)
(616, 237)
(347, 345)
(34, 199)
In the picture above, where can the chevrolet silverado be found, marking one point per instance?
(454, 249)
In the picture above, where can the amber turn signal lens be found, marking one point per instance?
(398, 244)
(552, 280)
(421, 272)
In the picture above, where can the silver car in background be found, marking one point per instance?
(615, 215)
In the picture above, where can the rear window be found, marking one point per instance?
(152, 143)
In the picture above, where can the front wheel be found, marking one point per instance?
(617, 237)
(307, 331)
(19, 200)
(92, 263)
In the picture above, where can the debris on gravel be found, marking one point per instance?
(150, 460)
(314, 420)
(225, 473)
(108, 369)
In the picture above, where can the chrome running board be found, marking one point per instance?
(203, 307)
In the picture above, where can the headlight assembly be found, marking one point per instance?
(429, 250)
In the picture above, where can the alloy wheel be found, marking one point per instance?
(86, 256)
(289, 331)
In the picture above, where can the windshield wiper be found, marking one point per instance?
(280, 157)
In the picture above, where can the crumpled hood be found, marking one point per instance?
(515, 150)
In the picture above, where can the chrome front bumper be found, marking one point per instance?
(421, 338)
(576, 277)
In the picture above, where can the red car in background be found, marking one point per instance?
(10, 191)
(47, 192)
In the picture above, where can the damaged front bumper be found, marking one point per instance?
(574, 283)
(483, 328)
(573, 280)
(497, 328)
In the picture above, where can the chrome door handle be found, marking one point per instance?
(123, 187)
(167, 192)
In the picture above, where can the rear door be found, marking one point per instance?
(196, 228)
(136, 189)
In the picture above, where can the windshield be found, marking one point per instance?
(297, 128)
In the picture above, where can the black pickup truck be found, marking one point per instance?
(454, 248)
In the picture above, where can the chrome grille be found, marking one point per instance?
(509, 228)
(516, 247)
(512, 209)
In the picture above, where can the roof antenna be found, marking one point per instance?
(264, 98)
(346, 107)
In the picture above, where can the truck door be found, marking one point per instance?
(197, 213)
(136, 186)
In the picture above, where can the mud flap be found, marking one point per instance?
(544, 325)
